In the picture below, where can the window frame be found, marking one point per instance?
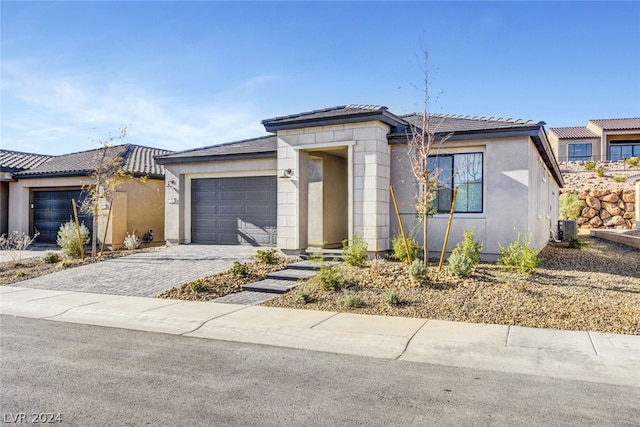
(572, 157)
(451, 183)
(633, 144)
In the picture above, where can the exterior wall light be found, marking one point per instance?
(173, 201)
(287, 173)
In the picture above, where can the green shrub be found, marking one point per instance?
(470, 247)
(600, 172)
(355, 252)
(199, 285)
(329, 278)
(419, 271)
(400, 250)
(131, 241)
(21, 273)
(570, 205)
(305, 294)
(68, 238)
(350, 300)
(634, 161)
(65, 263)
(590, 165)
(267, 256)
(576, 243)
(393, 297)
(239, 269)
(459, 264)
(377, 265)
(621, 178)
(51, 257)
(520, 256)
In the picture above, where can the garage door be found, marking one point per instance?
(52, 209)
(234, 211)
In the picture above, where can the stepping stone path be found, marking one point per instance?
(276, 283)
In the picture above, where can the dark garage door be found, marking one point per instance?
(52, 209)
(234, 211)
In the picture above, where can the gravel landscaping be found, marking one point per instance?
(596, 288)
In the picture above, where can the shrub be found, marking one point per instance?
(131, 241)
(590, 165)
(393, 297)
(633, 161)
(239, 269)
(51, 257)
(377, 265)
(267, 256)
(620, 178)
(21, 273)
(576, 243)
(460, 264)
(305, 294)
(68, 238)
(400, 250)
(355, 251)
(329, 278)
(600, 172)
(65, 263)
(570, 205)
(199, 285)
(470, 247)
(350, 300)
(520, 256)
(16, 242)
(419, 271)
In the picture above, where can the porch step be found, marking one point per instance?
(310, 265)
(291, 274)
(271, 286)
(324, 254)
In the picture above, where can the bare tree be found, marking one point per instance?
(107, 174)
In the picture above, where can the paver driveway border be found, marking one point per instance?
(145, 274)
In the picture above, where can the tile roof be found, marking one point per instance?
(15, 161)
(341, 110)
(265, 146)
(577, 132)
(138, 160)
(447, 123)
(631, 123)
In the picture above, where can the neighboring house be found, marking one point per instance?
(607, 139)
(40, 197)
(10, 163)
(324, 176)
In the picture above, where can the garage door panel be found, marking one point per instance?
(234, 210)
(51, 209)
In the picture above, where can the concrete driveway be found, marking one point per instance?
(145, 274)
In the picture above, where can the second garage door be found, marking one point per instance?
(51, 209)
(234, 211)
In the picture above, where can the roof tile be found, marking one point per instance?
(14, 161)
(577, 132)
(631, 123)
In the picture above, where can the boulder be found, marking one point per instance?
(588, 212)
(630, 207)
(598, 193)
(613, 209)
(595, 222)
(628, 196)
(603, 214)
(593, 202)
(584, 194)
(613, 221)
(629, 215)
(611, 198)
(582, 220)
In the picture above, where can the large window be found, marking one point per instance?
(463, 171)
(621, 150)
(579, 152)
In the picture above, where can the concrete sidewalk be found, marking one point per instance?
(587, 356)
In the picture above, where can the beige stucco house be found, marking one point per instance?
(606, 139)
(325, 175)
(40, 198)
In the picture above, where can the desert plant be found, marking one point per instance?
(570, 205)
(419, 271)
(21, 273)
(355, 251)
(393, 297)
(590, 165)
(330, 278)
(68, 238)
(377, 264)
(15, 243)
(621, 178)
(520, 256)
(350, 300)
(600, 172)
(305, 294)
(199, 285)
(459, 264)
(65, 263)
(470, 247)
(131, 241)
(267, 256)
(576, 243)
(239, 269)
(400, 250)
(633, 161)
(51, 257)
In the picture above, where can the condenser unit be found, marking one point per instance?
(567, 229)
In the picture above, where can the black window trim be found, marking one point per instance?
(481, 211)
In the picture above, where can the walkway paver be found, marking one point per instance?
(145, 274)
(246, 298)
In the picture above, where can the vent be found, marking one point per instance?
(567, 229)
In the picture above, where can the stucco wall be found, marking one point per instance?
(561, 147)
(510, 185)
(178, 177)
(4, 207)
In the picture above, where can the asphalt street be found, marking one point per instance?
(95, 376)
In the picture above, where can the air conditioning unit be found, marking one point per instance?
(567, 229)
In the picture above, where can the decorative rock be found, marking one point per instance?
(628, 196)
(614, 210)
(603, 214)
(588, 212)
(611, 198)
(593, 202)
(629, 215)
(629, 207)
(613, 221)
(582, 220)
(599, 193)
(584, 194)
(595, 222)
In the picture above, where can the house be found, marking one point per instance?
(607, 139)
(40, 198)
(10, 163)
(323, 176)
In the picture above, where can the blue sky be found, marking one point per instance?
(180, 75)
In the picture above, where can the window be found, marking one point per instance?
(579, 152)
(621, 150)
(463, 171)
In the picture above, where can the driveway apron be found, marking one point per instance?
(145, 274)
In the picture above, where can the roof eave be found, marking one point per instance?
(271, 125)
(215, 158)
